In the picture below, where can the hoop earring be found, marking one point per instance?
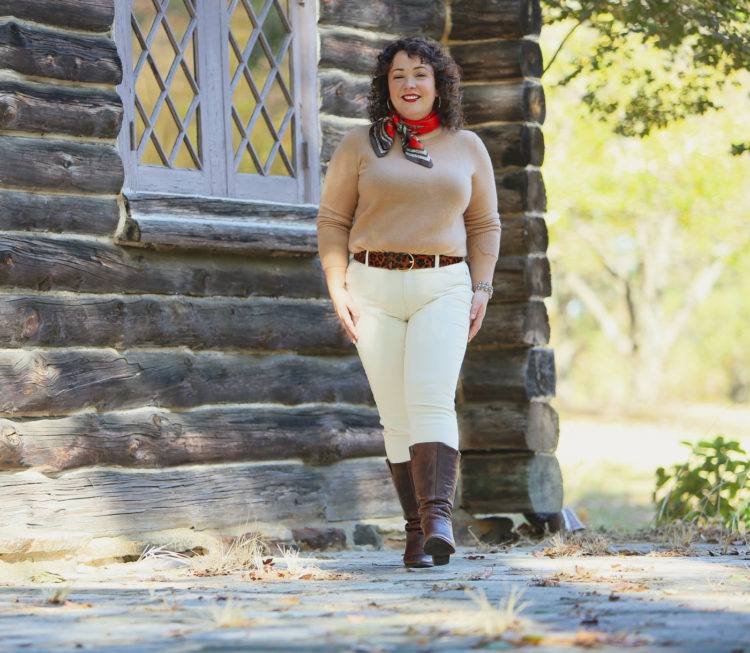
(388, 104)
(440, 101)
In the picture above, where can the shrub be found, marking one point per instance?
(710, 488)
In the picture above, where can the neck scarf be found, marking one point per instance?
(382, 134)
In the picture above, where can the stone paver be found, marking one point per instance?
(699, 603)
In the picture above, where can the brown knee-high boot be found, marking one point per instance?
(435, 473)
(414, 555)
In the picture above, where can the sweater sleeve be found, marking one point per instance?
(481, 217)
(338, 201)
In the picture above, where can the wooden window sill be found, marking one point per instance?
(181, 222)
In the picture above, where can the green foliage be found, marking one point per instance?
(636, 227)
(701, 46)
(711, 487)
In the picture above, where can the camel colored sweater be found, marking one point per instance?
(394, 205)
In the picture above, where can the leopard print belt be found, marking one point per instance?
(404, 261)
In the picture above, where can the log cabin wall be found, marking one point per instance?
(144, 388)
(509, 431)
(151, 391)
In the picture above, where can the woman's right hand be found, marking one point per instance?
(346, 310)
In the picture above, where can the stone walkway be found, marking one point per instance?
(365, 601)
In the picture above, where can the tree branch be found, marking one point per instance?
(584, 17)
(699, 289)
(609, 325)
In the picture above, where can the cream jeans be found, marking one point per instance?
(412, 329)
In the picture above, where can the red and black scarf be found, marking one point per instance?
(382, 133)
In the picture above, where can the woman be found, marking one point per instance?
(411, 196)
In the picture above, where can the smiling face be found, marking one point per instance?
(411, 86)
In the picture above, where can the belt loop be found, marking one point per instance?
(367, 257)
(437, 260)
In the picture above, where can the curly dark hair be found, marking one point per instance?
(447, 79)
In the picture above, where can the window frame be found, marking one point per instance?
(217, 177)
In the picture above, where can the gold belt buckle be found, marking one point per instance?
(411, 266)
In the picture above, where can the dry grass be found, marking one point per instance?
(56, 595)
(242, 553)
(478, 545)
(230, 615)
(495, 621)
(162, 553)
(679, 535)
(301, 569)
(246, 554)
(576, 544)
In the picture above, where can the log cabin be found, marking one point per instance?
(170, 364)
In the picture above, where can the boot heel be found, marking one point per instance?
(439, 547)
(440, 550)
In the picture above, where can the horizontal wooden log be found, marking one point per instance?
(155, 438)
(60, 381)
(49, 165)
(343, 94)
(511, 482)
(85, 15)
(123, 322)
(44, 52)
(513, 324)
(498, 59)
(84, 265)
(55, 109)
(482, 19)
(498, 425)
(51, 320)
(188, 206)
(512, 145)
(217, 234)
(518, 278)
(90, 266)
(353, 52)
(523, 235)
(514, 375)
(333, 131)
(70, 214)
(112, 502)
(515, 101)
(521, 191)
(414, 17)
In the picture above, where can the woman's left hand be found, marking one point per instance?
(478, 309)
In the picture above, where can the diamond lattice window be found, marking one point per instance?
(167, 100)
(260, 38)
(212, 96)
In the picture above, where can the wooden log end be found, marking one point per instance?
(541, 377)
(532, 64)
(513, 482)
(539, 277)
(478, 19)
(535, 108)
(545, 484)
(503, 426)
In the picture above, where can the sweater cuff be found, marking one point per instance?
(333, 246)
